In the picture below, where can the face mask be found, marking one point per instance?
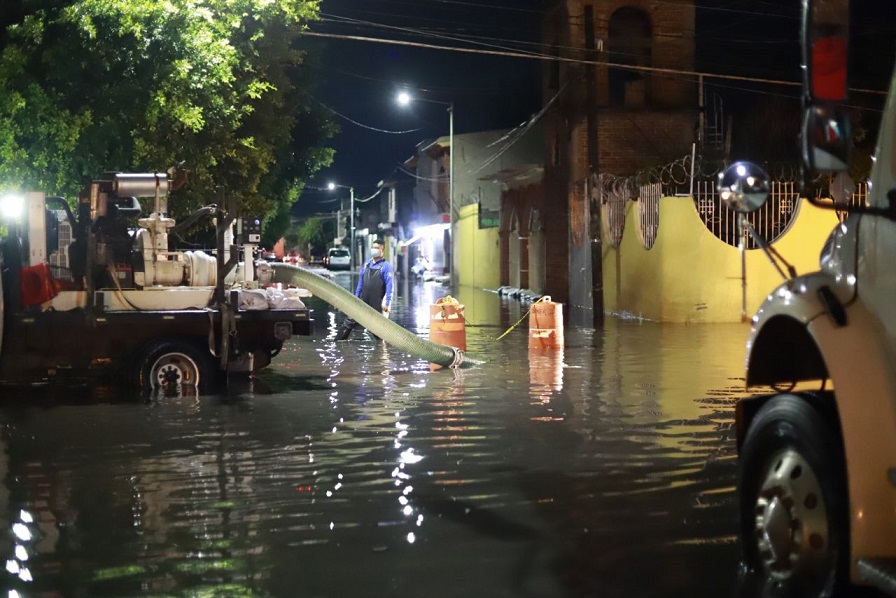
(376, 252)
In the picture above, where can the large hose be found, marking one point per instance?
(369, 318)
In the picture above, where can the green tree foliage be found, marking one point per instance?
(92, 86)
(317, 232)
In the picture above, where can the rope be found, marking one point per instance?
(526, 315)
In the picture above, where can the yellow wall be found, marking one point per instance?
(692, 276)
(477, 252)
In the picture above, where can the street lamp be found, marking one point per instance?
(404, 98)
(351, 226)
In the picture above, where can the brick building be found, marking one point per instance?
(620, 98)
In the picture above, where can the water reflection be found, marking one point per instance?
(605, 468)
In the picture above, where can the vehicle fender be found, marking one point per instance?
(864, 384)
(794, 338)
(780, 348)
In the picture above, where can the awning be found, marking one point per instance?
(516, 176)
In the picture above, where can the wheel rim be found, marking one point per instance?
(791, 525)
(174, 370)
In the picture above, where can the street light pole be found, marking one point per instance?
(351, 226)
(351, 253)
(451, 192)
(404, 98)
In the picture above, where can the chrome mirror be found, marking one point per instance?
(743, 187)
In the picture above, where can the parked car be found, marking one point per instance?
(337, 258)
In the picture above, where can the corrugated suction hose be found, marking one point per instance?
(371, 319)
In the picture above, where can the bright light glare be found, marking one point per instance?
(331, 186)
(431, 231)
(404, 98)
(12, 206)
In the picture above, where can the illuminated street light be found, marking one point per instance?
(351, 227)
(404, 99)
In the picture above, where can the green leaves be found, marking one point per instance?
(100, 85)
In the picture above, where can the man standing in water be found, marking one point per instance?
(374, 287)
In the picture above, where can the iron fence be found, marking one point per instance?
(771, 221)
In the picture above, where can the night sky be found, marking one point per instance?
(359, 80)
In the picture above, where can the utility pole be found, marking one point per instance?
(593, 209)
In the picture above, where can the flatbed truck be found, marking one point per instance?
(88, 296)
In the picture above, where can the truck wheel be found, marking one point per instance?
(793, 504)
(176, 365)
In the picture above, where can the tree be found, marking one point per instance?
(317, 232)
(139, 85)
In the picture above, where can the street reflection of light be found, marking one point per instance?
(337, 486)
(408, 489)
(329, 493)
(13, 594)
(419, 520)
(403, 500)
(403, 433)
(332, 525)
(334, 429)
(25, 574)
(397, 473)
(12, 566)
(21, 531)
(408, 456)
(401, 426)
(411, 538)
(408, 510)
(21, 553)
(25, 516)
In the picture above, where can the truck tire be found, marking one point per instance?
(793, 504)
(173, 365)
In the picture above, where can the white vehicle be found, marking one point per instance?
(338, 258)
(817, 471)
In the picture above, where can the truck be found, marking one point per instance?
(93, 291)
(816, 446)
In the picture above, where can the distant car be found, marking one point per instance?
(338, 258)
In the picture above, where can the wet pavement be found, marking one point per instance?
(349, 469)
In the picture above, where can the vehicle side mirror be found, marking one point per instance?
(826, 138)
(743, 187)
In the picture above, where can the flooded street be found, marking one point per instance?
(349, 469)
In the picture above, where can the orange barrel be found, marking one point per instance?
(546, 324)
(447, 325)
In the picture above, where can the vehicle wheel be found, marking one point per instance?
(793, 501)
(176, 366)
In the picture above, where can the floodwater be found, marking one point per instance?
(349, 469)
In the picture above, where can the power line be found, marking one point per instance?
(545, 57)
